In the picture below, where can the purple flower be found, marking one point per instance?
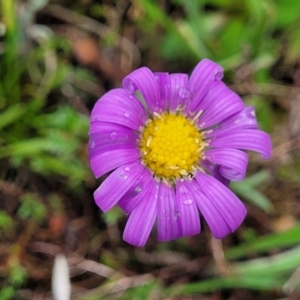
(172, 145)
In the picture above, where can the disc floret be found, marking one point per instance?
(171, 146)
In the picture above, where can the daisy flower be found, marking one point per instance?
(170, 145)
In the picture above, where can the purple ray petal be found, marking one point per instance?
(219, 104)
(203, 75)
(246, 139)
(163, 81)
(211, 214)
(137, 192)
(108, 161)
(143, 80)
(214, 170)
(117, 184)
(233, 162)
(229, 206)
(106, 126)
(178, 92)
(111, 137)
(117, 106)
(244, 119)
(188, 211)
(173, 89)
(168, 220)
(142, 218)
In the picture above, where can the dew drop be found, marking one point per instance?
(93, 144)
(122, 176)
(127, 169)
(138, 189)
(187, 201)
(113, 135)
(181, 190)
(126, 114)
(184, 93)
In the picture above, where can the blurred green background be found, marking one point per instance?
(56, 59)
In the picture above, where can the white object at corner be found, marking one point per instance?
(61, 285)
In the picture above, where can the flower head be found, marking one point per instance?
(172, 145)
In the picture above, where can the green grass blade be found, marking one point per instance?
(11, 114)
(209, 285)
(266, 243)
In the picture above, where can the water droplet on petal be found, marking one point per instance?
(187, 201)
(138, 189)
(126, 115)
(184, 93)
(122, 176)
(127, 169)
(93, 144)
(181, 190)
(113, 135)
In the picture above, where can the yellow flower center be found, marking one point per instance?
(171, 146)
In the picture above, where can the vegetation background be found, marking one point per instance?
(56, 59)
